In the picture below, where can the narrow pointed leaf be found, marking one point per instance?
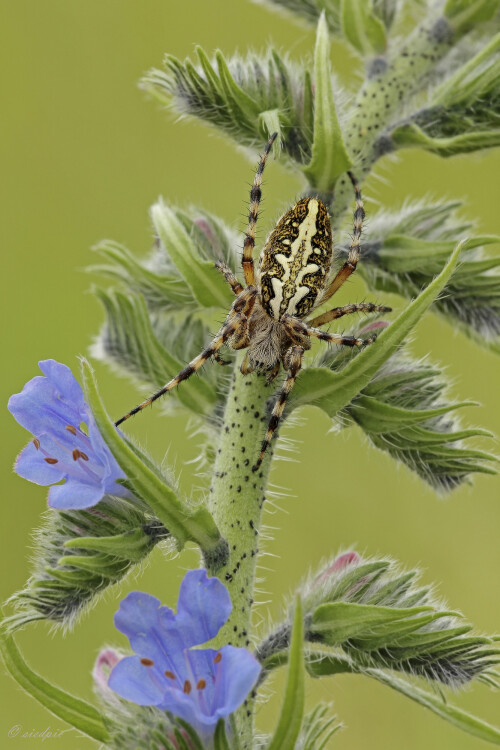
(290, 720)
(329, 155)
(450, 713)
(332, 391)
(361, 27)
(183, 523)
(207, 285)
(80, 714)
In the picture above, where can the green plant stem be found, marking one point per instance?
(236, 502)
(389, 84)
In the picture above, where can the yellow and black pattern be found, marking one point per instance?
(266, 318)
(296, 259)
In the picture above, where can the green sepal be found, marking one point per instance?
(290, 720)
(129, 341)
(161, 291)
(182, 522)
(80, 714)
(207, 285)
(464, 15)
(329, 155)
(410, 136)
(131, 545)
(242, 106)
(376, 416)
(337, 622)
(220, 738)
(332, 391)
(361, 27)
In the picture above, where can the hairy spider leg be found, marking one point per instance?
(336, 338)
(295, 354)
(338, 312)
(354, 249)
(236, 319)
(229, 276)
(255, 197)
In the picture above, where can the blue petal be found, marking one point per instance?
(142, 619)
(38, 409)
(203, 607)
(137, 683)
(63, 380)
(236, 674)
(74, 495)
(30, 464)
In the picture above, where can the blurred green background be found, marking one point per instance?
(84, 154)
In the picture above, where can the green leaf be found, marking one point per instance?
(160, 290)
(465, 14)
(81, 715)
(128, 340)
(182, 522)
(329, 155)
(411, 136)
(361, 27)
(292, 710)
(332, 391)
(453, 715)
(207, 285)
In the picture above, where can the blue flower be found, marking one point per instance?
(198, 685)
(53, 409)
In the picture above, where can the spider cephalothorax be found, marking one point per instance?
(267, 316)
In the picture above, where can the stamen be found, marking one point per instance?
(201, 684)
(84, 456)
(147, 662)
(187, 687)
(71, 429)
(218, 658)
(51, 460)
(76, 454)
(36, 443)
(170, 674)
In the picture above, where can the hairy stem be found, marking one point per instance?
(236, 502)
(388, 86)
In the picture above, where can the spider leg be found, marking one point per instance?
(246, 368)
(236, 318)
(219, 359)
(337, 338)
(338, 312)
(229, 276)
(295, 354)
(255, 196)
(354, 249)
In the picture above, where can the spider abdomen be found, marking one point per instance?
(294, 264)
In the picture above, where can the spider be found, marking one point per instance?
(267, 316)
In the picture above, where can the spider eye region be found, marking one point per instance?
(294, 264)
